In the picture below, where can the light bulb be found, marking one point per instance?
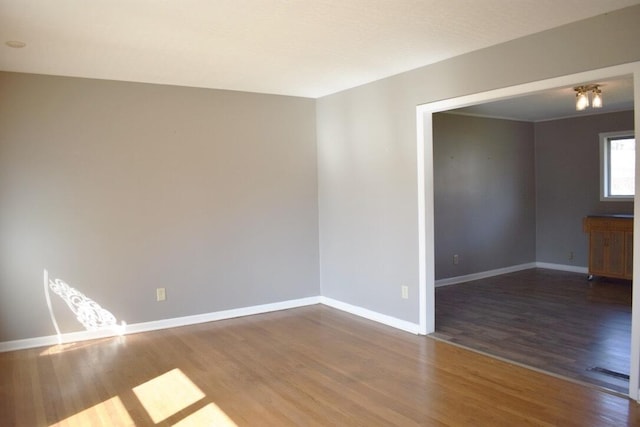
(597, 98)
(582, 101)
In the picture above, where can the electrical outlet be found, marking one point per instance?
(571, 255)
(456, 259)
(405, 291)
(161, 294)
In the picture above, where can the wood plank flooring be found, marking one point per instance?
(312, 366)
(551, 320)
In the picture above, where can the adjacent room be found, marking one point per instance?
(218, 213)
(515, 180)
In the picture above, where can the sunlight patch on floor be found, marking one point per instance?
(167, 394)
(112, 343)
(210, 415)
(104, 413)
(163, 398)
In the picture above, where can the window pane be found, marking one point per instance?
(622, 167)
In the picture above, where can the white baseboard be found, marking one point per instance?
(155, 325)
(512, 269)
(484, 274)
(266, 308)
(372, 315)
(53, 340)
(209, 317)
(221, 315)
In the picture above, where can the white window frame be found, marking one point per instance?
(605, 139)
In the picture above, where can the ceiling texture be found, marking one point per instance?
(308, 48)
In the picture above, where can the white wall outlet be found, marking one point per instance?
(456, 259)
(161, 294)
(405, 291)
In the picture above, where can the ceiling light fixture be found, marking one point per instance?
(582, 96)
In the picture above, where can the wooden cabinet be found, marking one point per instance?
(610, 245)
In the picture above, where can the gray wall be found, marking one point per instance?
(484, 194)
(493, 210)
(119, 188)
(367, 152)
(568, 183)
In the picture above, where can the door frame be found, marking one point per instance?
(426, 244)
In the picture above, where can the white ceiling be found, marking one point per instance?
(305, 48)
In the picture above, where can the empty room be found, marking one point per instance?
(235, 213)
(513, 195)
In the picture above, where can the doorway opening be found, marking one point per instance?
(426, 187)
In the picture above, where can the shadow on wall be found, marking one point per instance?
(88, 312)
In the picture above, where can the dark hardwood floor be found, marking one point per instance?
(551, 320)
(312, 366)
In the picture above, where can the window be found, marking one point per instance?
(617, 165)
